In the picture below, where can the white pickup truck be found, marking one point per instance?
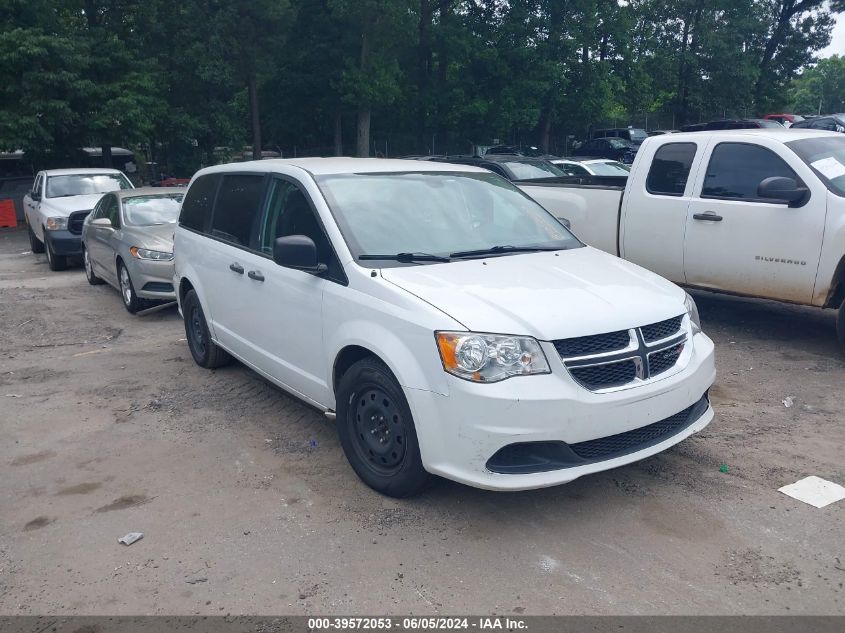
(759, 213)
(57, 205)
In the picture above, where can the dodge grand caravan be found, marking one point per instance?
(448, 323)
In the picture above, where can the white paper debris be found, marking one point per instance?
(130, 538)
(814, 490)
(830, 168)
(788, 401)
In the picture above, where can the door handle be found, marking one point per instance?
(237, 268)
(709, 217)
(255, 274)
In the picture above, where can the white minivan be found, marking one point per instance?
(449, 323)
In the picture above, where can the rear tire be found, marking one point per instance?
(35, 245)
(206, 352)
(377, 430)
(89, 269)
(55, 262)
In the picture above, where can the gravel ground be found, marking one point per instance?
(248, 505)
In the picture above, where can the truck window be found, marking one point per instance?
(670, 169)
(737, 169)
(196, 209)
(237, 210)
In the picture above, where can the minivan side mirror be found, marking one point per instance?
(782, 189)
(298, 252)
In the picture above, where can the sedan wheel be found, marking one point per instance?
(89, 269)
(127, 291)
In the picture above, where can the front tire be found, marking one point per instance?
(89, 269)
(131, 301)
(35, 245)
(55, 262)
(206, 352)
(840, 325)
(377, 430)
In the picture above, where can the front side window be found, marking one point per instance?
(737, 169)
(527, 170)
(824, 124)
(82, 184)
(196, 209)
(111, 211)
(670, 169)
(289, 213)
(571, 169)
(238, 209)
(438, 213)
(610, 168)
(152, 210)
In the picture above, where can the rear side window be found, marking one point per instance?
(238, 209)
(670, 169)
(196, 208)
(737, 169)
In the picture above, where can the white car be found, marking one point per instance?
(58, 204)
(591, 167)
(449, 323)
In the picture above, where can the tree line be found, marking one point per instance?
(369, 77)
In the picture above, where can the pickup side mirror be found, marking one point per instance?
(35, 195)
(102, 222)
(298, 252)
(781, 189)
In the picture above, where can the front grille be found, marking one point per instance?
(630, 441)
(597, 344)
(665, 359)
(664, 329)
(75, 220)
(605, 376)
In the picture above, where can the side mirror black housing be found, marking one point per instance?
(35, 195)
(298, 252)
(782, 189)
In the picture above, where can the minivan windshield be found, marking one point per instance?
(826, 155)
(81, 184)
(152, 210)
(439, 214)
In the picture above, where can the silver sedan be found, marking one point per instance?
(127, 241)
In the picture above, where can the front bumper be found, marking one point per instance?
(64, 243)
(152, 279)
(461, 432)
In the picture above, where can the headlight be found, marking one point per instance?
(490, 357)
(56, 224)
(692, 311)
(143, 253)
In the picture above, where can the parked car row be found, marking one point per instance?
(446, 321)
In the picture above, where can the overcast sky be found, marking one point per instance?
(837, 44)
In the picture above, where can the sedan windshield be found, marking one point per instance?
(81, 184)
(826, 155)
(532, 169)
(609, 168)
(438, 214)
(152, 210)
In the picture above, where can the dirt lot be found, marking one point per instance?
(248, 505)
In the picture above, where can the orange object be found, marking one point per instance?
(7, 214)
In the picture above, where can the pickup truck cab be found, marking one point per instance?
(447, 322)
(57, 205)
(759, 213)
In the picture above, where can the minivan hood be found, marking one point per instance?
(548, 295)
(66, 206)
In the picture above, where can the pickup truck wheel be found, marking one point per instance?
(840, 325)
(206, 352)
(35, 245)
(377, 430)
(89, 269)
(131, 301)
(55, 262)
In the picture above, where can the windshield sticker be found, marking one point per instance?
(830, 168)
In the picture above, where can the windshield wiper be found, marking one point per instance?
(407, 258)
(497, 250)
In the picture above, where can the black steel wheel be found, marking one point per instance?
(377, 430)
(206, 352)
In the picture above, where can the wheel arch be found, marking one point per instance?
(836, 292)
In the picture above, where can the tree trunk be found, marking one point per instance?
(338, 133)
(788, 10)
(363, 131)
(424, 61)
(545, 129)
(254, 114)
(107, 158)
